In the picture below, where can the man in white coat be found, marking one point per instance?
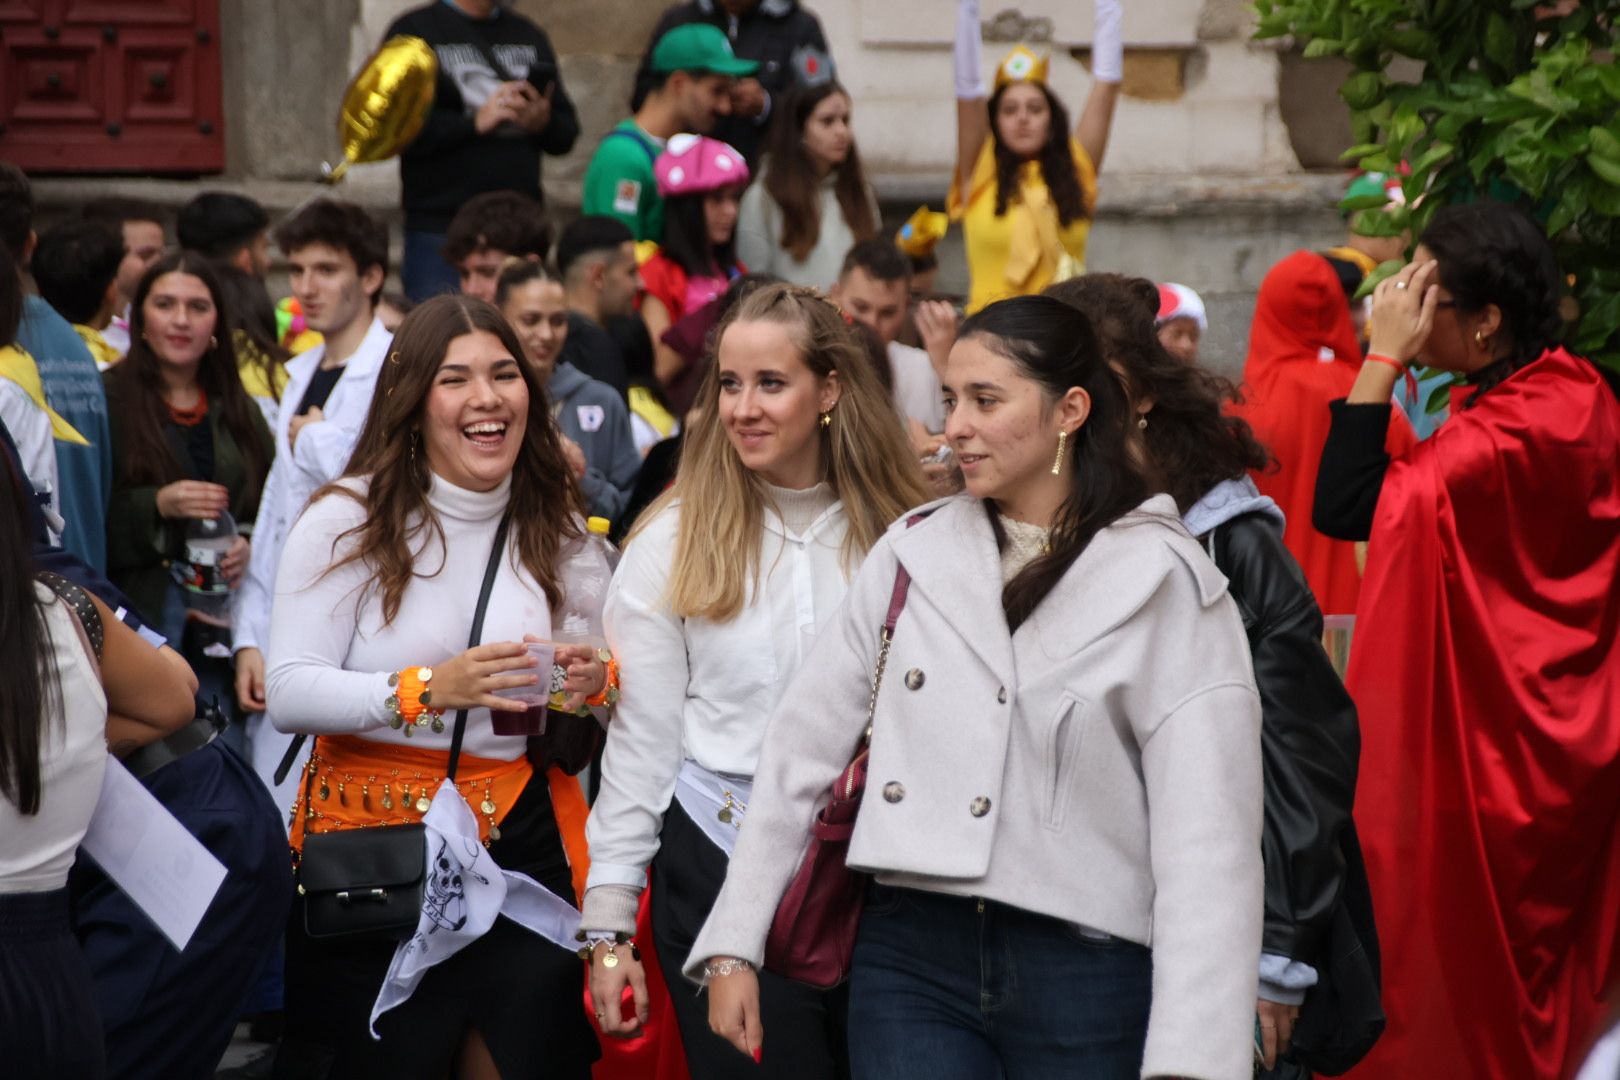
(337, 258)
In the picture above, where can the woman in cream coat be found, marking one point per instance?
(1063, 806)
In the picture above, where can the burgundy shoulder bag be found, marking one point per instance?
(812, 937)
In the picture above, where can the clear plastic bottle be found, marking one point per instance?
(587, 567)
(599, 528)
(208, 594)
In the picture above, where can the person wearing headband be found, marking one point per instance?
(1024, 189)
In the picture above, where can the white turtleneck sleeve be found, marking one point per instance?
(331, 650)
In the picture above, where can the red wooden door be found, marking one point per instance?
(111, 86)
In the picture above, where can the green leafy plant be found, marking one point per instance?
(1518, 101)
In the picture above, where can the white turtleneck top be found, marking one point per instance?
(330, 651)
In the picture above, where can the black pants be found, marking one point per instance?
(169, 1015)
(523, 994)
(48, 1022)
(805, 1028)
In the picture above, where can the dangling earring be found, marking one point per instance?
(1057, 463)
(413, 449)
(1479, 338)
(1141, 422)
(826, 419)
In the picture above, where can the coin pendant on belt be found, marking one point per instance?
(326, 792)
(610, 961)
(388, 799)
(422, 804)
(438, 725)
(725, 815)
(408, 729)
(487, 806)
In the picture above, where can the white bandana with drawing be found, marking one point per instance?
(465, 890)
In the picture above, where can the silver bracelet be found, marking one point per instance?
(714, 969)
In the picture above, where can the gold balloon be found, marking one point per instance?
(387, 103)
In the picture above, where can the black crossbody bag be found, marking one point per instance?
(369, 882)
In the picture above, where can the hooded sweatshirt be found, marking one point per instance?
(594, 415)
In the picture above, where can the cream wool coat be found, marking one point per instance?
(1101, 765)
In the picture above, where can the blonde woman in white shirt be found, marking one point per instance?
(796, 467)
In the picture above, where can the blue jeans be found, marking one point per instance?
(423, 271)
(950, 988)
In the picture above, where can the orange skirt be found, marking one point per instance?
(355, 783)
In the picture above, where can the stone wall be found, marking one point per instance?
(1203, 181)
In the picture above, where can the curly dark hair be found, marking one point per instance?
(1192, 442)
(1058, 166)
(1492, 253)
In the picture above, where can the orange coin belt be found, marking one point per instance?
(356, 783)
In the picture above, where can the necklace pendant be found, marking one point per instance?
(494, 832)
(487, 806)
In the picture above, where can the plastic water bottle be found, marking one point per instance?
(208, 595)
(599, 528)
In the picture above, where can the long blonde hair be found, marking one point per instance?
(865, 456)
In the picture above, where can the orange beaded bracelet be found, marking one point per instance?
(610, 688)
(412, 700)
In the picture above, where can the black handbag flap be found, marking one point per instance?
(353, 859)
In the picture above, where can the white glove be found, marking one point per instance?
(1107, 45)
(969, 58)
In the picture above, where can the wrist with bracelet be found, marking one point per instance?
(730, 965)
(1385, 358)
(410, 701)
(607, 697)
(587, 951)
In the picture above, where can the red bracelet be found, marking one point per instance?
(1390, 360)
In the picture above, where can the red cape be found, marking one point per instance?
(1304, 353)
(1486, 667)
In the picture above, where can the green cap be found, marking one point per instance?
(698, 47)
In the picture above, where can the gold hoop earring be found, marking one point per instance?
(1057, 464)
(826, 419)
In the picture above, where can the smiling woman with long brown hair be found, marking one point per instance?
(368, 646)
(188, 443)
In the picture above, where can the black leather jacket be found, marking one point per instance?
(1309, 735)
